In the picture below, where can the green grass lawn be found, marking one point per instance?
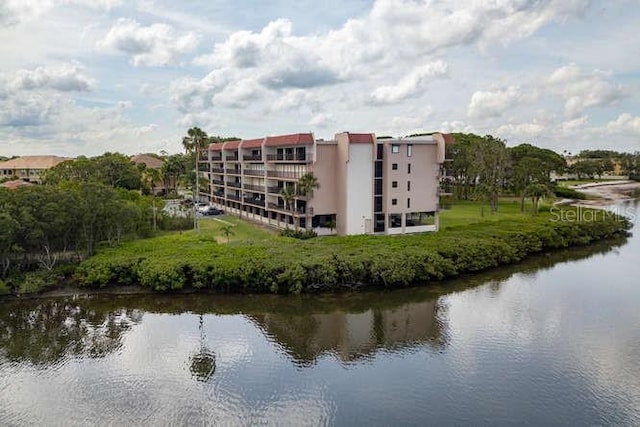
(470, 212)
(571, 182)
(242, 230)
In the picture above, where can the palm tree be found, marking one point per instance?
(288, 194)
(195, 141)
(227, 231)
(536, 192)
(306, 185)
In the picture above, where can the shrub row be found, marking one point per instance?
(568, 193)
(339, 262)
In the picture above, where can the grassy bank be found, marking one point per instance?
(258, 261)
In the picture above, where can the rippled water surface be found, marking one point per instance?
(554, 341)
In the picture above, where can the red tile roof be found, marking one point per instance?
(360, 138)
(285, 140)
(12, 185)
(252, 143)
(448, 138)
(216, 146)
(231, 145)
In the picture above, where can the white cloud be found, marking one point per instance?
(625, 124)
(582, 90)
(154, 45)
(494, 103)
(521, 130)
(322, 120)
(295, 99)
(410, 85)
(15, 11)
(64, 78)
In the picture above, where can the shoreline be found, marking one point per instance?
(605, 193)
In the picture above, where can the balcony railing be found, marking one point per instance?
(254, 202)
(234, 184)
(216, 158)
(284, 175)
(256, 188)
(283, 208)
(232, 158)
(289, 157)
(233, 171)
(252, 157)
(254, 172)
(217, 170)
(234, 197)
(274, 190)
(217, 182)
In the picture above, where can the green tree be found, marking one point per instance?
(307, 184)
(288, 194)
(227, 231)
(537, 192)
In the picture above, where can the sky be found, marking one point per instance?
(82, 77)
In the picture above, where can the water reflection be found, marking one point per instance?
(353, 336)
(203, 362)
(47, 331)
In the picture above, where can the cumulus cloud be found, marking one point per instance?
(582, 90)
(521, 130)
(64, 78)
(493, 103)
(625, 124)
(410, 85)
(16, 11)
(154, 45)
(295, 99)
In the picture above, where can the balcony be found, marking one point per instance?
(255, 188)
(234, 184)
(284, 175)
(232, 158)
(234, 197)
(277, 207)
(216, 158)
(233, 171)
(252, 157)
(255, 202)
(289, 157)
(254, 172)
(217, 170)
(274, 190)
(217, 182)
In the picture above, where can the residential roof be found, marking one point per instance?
(216, 146)
(231, 145)
(12, 185)
(252, 143)
(33, 162)
(150, 161)
(448, 138)
(361, 138)
(286, 140)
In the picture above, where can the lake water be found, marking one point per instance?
(553, 341)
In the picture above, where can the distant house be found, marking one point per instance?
(29, 168)
(12, 185)
(151, 162)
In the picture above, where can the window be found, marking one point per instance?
(409, 168)
(395, 220)
(394, 184)
(394, 166)
(395, 148)
(394, 202)
(408, 203)
(408, 185)
(409, 149)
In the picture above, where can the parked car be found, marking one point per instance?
(211, 211)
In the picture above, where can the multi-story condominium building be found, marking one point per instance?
(366, 185)
(29, 168)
